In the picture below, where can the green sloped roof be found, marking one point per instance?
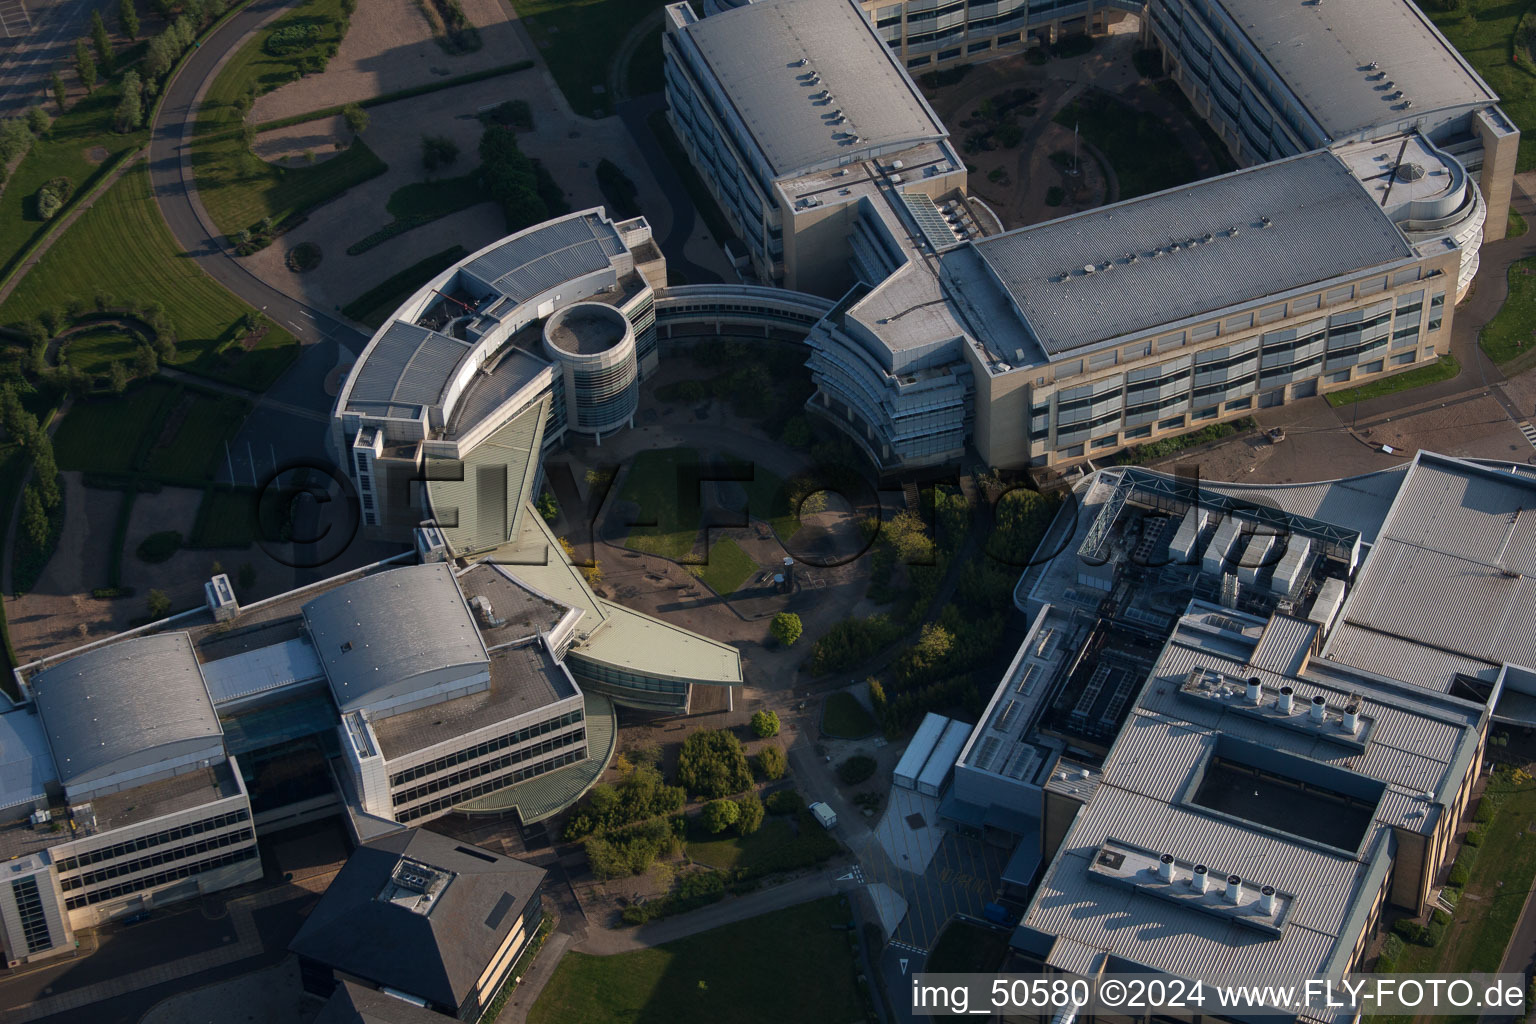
(490, 496)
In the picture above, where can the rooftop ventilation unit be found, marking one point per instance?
(1287, 700)
(1165, 867)
(1234, 889)
(1199, 878)
(1373, 65)
(1232, 231)
(1089, 268)
(802, 62)
(1267, 900)
(1265, 222)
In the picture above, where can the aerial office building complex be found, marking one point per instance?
(1247, 721)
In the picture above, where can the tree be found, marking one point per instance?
(145, 362)
(857, 769)
(749, 814)
(130, 109)
(45, 471)
(85, 67)
(118, 376)
(128, 17)
(438, 151)
(356, 118)
(717, 816)
(160, 54)
(771, 762)
(102, 40)
(34, 518)
(159, 604)
(38, 121)
(712, 764)
(786, 628)
(547, 507)
(765, 724)
(877, 697)
(60, 92)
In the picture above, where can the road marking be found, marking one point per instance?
(1528, 430)
(308, 313)
(903, 963)
(910, 948)
(297, 327)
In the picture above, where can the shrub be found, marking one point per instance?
(785, 801)
(1439, 921)
(511, 114)
(712, 764)
(1411, 931)
(1487, 807)
(719, 815)
(438, 151)
(856, 769)
(52, 197)
(291, 39)
(786, 628)
(510, 178)
(771, 762)
(642, 794)
(1473, 838)
(159, 604)
(765, 724)
(355, 116)
(130, 108)
(158, 547)
(749, 816)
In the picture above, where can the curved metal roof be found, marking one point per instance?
(125, 705)
(378, 636)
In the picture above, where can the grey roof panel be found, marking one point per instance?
(26, 765)
(548, 255)
(379, 635)
(1323, 226)
(125, 704)
(1324, 51)
(408, 365)
(480, 509)
(754, 51)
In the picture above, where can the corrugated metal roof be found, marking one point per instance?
(265, 668)
(1324, 53)
(1402, 659)
(1285, 644)
(480, 509)
(140, 700)
(1154, 753)
(755, 52)
(1323, 226)
(407, 366)
(26, 765)
(377, 636)
(542, 257)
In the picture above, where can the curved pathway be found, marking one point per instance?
(170, 170)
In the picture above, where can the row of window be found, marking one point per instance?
(154, 860)
(491, 785)
(34, 923)
(490, 767)
(160, 878)
(169, 835)
(480, 750)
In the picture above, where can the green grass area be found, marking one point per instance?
(237, 187)
(645, 66)
(659, 483)
(1512, 332)
(790, 965)
(1443, 368)
(728, 568)
(157, 428)
(80, 147)
(843, 717)
(1490, 906)
(91, 258)
(422, 202)
(1145, 155)
(94, 351)
(1515, 226)
(1144, 453)
(578, 40)
(1484, 31)
(225, 518)
(374, 306)
(967, 948)
(779, 845)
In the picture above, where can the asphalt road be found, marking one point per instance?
(171, 179)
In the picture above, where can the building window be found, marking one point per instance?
(1241, 403)
(148, 881)
(1238, 323)
(1305, 305)
(1402, 359)
(169, 835)
(1273, 313)
(1338, 378)
(917, 62)
(1433, 325)
(985, 44)
(1341, 294)
(1207, 414)
(949, 54)
(1106, 442)
(34, 924)
(1372, 367)
(1204, 332)
(1009, 39)
(1139, 432)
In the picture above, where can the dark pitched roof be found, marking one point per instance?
(354, 1004)
(438, 955)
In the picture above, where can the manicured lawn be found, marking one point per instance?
(728, 568)
(237, 187)
(790, 965)
(79, 147)
(1443, 368)
(95, 351)
(193, 451)
(104, 434)
(967, 948)
(845, 718)
(578, 39)
(375, 305)
(1145, 155)
(92, 257)
(224, 519)
(781, 844)
(663, 484)
(1512, 332)
(1483, 31)
(1516, 224)
(1490, 907)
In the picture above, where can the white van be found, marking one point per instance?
(824, 814)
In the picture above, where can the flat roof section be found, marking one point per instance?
(407, 367)
(167, 796)
(775, 59)
(522, 612)
(1167, 257)
(653, 647)
(523, 679)
(1346, 61)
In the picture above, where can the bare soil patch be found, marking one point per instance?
(298, 145)
(97, 154)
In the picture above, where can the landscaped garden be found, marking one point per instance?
(1511, 335)
(728, 567)
(1443, 368)
(1146, 156)
(157, 430)
(843, 717)
(1485, 33)
(700, 978)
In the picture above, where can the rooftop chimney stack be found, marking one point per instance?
(1234, 889)
(1287, 695)
(1319, 708)
(1200, 878)
(1267, 900)
(1255, 690)
(1165, 867)
(1352, 719)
